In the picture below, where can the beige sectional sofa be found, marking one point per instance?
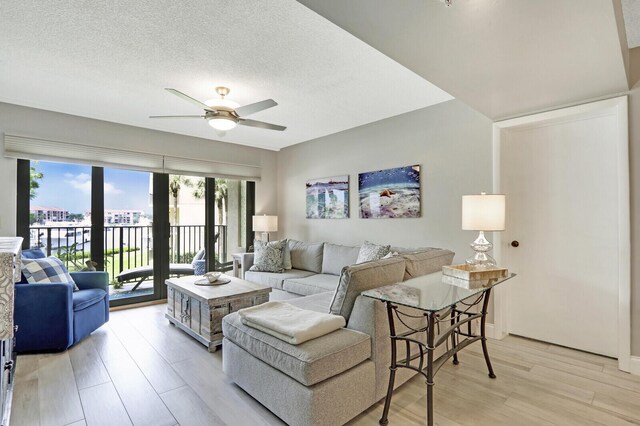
(331, 379)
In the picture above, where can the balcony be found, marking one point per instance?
(127, 247)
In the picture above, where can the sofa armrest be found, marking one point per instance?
(91, 279)
(44, 316)
(247, 262)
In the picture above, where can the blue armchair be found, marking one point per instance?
(52, 317)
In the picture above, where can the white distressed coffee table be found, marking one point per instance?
(198, 310)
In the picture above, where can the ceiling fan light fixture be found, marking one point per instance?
(222, 123)
(219, 102)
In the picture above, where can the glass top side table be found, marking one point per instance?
(445, 306)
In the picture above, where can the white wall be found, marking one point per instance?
(450, 141)
(37, 123)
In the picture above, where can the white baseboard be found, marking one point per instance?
(490, 330)
(634, 365)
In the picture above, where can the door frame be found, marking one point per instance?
(618, 108)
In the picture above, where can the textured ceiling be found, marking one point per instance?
(631, 11)
(111, 61)
(502, 57)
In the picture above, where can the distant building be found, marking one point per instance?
(49, 214)
(122, 217)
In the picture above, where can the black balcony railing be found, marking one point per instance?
(127, 247)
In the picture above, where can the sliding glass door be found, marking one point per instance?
(140, 227)
(128, 235)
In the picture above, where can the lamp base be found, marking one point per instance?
(481, 259)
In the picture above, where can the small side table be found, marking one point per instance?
(237, 264)
(445, 307)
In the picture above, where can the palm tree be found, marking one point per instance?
(175, 184)
(34, 177)
(220, 195)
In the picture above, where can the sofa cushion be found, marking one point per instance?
(306, 256)
(365, 276)
(268, 256)
(320, 302)
(310, 362)
(313, 284)
(336, 257)
(46, 271)
(273, 279)
(426, 261)
(370, 251)
(85, 298)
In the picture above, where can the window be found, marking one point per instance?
(116, 220)
(60, 211)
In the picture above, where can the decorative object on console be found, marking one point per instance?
(212, 278)
(470, 277)
(370, 251)
(265, 224)
(483, 212)
(328, 198)
(269, 256)
(390, 193)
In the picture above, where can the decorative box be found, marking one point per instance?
(473, 273)
(468, 284)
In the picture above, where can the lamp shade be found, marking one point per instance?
(222, 123)
(484, 212)
(265, 223)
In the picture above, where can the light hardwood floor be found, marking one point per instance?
(139, 370)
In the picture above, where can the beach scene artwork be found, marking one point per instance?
(391, 193)
(328, 198)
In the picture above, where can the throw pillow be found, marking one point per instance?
(46, 271)
(287, 254)
(268, 256)
(391, 254)
(198, 256)
(370, 251)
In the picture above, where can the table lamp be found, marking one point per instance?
(265, 224)
(484, 212)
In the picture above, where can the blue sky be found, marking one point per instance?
(68, 186)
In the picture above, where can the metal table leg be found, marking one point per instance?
(431, 318)
(453, 335)
(392, 369)
(485, 303)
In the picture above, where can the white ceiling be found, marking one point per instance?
(502, 57)
(111, 61)
(631, 12)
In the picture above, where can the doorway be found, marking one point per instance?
(566, 177)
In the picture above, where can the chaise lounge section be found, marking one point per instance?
(330, 379)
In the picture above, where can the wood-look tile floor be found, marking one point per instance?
(139, 370)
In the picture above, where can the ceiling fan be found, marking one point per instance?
(223, 114)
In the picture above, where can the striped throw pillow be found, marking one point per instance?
(46, 270)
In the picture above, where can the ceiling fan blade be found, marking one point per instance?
(260, 124)
(257, 107)
(189, 99)
(176, 116)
